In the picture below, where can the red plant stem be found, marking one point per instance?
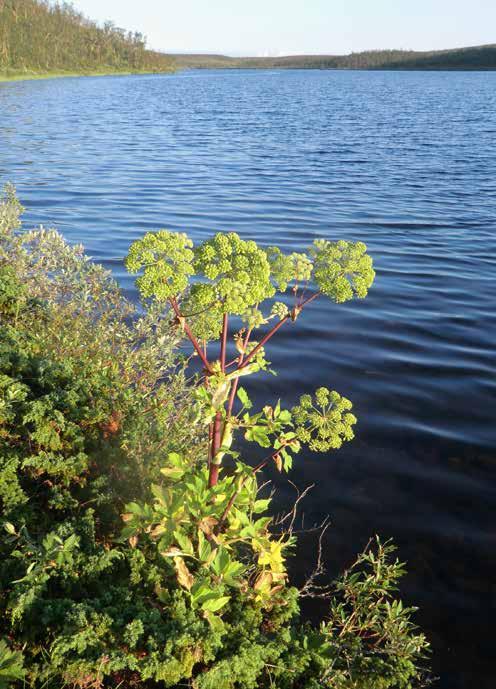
(213, 476)
(309, 299)
(190, 335)
(216, 440)
(223, 344)
(232, 396)
(259, 346)
(264, 462)
(273, 331)
(238, 490)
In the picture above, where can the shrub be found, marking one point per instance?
(137, 550)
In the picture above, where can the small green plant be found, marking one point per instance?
(11, 665)
(371, 637)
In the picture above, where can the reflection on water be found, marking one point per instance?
(403, 161)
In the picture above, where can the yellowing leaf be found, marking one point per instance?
(273, 557)
(220, 394)
(263, 581)
(173, 550)
(207, 525)
(184, 576)
(158, 531)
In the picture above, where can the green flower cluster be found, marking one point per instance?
(233, 276)
(238, 271)
(285, 269)
(202, 309)
(342, 269)
(253, 318)
(166, 259)
(279, 310)
(324, 423)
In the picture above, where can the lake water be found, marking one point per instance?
(405, 162)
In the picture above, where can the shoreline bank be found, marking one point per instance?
(32, 76)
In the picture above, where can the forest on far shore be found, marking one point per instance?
(474, 58)
(40, 37)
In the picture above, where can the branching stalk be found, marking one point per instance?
(190, 335)
(275, 328)
(234, 388)
(223, 344)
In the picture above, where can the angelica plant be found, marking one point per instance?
(209, 286)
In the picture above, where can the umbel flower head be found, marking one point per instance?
(237, 272)
(342, 269)
(285, 269)
(166, 259)
(235, 275)
(325, 422)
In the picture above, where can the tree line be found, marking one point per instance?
(473, 58)
(43, 36)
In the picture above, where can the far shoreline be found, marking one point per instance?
(35, 76)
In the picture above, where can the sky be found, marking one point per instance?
(288, 27)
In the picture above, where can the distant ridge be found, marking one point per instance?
(482, 57)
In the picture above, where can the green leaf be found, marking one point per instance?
(173, 473)
(215, 622)
(233, 572)
(215, 604)
(184, 542)
(175, 459)
(221, 561)
(204, 547)
(244, 399)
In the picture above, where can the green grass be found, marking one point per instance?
(28, 76)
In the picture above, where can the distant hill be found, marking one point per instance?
(473, 58)
(40, 37)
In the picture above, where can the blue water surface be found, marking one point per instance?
(404, 161)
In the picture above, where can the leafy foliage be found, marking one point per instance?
(370, 635)
(11, 665)
(210, 527)
(137, 548)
